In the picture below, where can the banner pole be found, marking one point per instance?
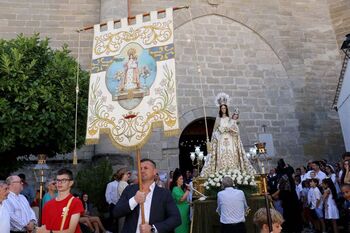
(142, 207)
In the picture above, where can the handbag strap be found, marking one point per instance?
(65, 213)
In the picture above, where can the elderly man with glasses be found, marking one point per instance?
(22, 217)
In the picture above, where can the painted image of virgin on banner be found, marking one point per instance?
(132, 83)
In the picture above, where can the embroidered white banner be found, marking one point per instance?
(132, 83)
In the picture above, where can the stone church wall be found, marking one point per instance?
(280, 62)
(277, 59)
(57, 20)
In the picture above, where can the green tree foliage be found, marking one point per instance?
(37, 98)
(93, 181)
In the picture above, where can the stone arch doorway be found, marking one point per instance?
(193, 135)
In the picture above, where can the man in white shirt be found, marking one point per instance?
(4, 215)
(320, 175)
(22, 217)
(112, 198)
(232, 206)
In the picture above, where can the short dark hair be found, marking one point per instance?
(315, 180)
(149, 160)
(22, 176)
(305, 183)
(297, 178)
(65, 171)
(316, 162)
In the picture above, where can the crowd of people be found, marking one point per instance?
(315, 197)
(312, 197)
(169, 210)
(19, 207)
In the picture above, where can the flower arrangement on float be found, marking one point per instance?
(241, 180)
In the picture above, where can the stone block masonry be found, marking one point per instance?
(278, 60)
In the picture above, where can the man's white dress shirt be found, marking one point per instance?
(147, 206)
(112, 192)
(320, 175)
(231, 206)
(4, 220)
(19, 210)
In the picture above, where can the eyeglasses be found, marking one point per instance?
(62, 181)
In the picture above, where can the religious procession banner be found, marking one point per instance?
(132, 83)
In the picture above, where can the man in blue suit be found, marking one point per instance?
(161, 213)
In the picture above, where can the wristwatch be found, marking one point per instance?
(153, 229)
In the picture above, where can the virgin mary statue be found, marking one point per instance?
(227, 147)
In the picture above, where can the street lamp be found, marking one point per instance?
(40, 173)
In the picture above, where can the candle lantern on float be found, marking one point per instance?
(198, 159)
(258, 157)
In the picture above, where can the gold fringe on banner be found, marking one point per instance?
(107, 131)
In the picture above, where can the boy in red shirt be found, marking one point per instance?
(61, 215)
